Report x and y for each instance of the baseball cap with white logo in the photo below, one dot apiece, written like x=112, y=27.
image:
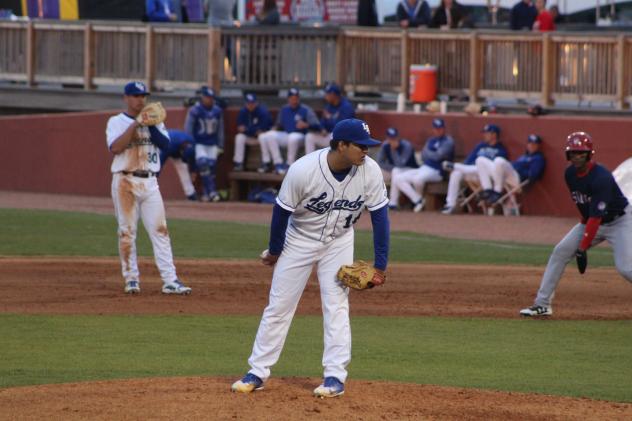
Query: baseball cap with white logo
x=332, y=88
x=354, y=131
x=292, y=92
x=438, y=123
x=136, y=88
x=206, y=91
x=392, y=132
x=251, y=98
x=534, y=138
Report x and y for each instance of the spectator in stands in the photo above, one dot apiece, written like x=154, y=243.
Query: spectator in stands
x=293, y=121
x=495, y=174
x=544, y=21
x=556, y=15
x=338, y=108
x=160, y=11
x=367, y=13
x=448, y=15
x=413, y=13
x=220, y=12
x=181, y=150
x=269, y=14
x=523, y=15
x=438, y=149
x=395, y=157
x=489, y=149
x=253, y=120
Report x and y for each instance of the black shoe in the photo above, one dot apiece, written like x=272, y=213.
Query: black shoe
x=238, y=166
x=264, y=168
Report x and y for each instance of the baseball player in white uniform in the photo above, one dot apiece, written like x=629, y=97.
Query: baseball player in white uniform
x=321, y=198
x=135, y=191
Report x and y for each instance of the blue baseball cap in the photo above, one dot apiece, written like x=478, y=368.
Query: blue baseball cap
x=491, y=128
x=534, y=138
x=438, y=123
x=392, y=132
x=332, y=88
x=136, y=88
x=250, y=98
x=355, y=131
x=206, y=91
x=292, y=92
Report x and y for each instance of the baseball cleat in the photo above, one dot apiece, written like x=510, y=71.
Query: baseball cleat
x=280, y=169
x=536, y=311
x=419, y=206
x=447, y=210
x=176, y=287
x=330, y=388
x=249, y=383
x=132, y=287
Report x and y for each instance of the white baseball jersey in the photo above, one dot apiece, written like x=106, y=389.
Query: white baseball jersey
x=323, y=207
x=141, y=154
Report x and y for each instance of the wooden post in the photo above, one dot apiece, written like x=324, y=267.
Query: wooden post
x=30, y=54
x=88, y=56
x=150, y=67
x=622, y=81
x=405, y=64
x=341, y=64
x=214, y=59
x=475, y=67
x=547, y=69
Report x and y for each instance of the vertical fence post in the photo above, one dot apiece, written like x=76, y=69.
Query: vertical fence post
x=341, y=64
x=214, y=58
x=622, y=80
x=547, y=69
x=30, y=54
x=149, y=57
x=405, y=64
x=475, y=66
x=88, y=56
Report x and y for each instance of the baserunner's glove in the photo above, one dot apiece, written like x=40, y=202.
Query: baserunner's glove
x=152, y=114
x=582, y=260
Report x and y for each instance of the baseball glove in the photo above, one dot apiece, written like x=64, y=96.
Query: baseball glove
x=152, y=114
x=582, y=260
x=357, y=276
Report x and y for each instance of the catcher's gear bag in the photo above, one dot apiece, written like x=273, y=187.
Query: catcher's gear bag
x=152, y=114
x=357, y=276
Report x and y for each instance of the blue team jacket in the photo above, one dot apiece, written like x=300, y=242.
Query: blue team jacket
x=342, y=111
x=288, y=117
x=488, y=151
x=206, y=126
x=257, y=120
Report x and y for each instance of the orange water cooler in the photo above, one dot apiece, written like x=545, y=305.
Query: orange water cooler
x=423, y=83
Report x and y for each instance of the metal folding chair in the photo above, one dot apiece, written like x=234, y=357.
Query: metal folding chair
x=509, y=200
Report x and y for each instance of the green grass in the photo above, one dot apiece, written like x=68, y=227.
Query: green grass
x=33, y=233
x=570, y=358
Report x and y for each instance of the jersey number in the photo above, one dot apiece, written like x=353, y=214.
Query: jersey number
x=350, y=220
x=208, y=126
x=152, y=157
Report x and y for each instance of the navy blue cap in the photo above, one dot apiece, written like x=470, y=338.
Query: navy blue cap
x=250, y=98
x=392, y=132
x=206, y=91
x=438, y=123
x=292, y=92
x=136, y=88
x=491, y=128
x=355, y=131
x=534, y=138
x=332, y=88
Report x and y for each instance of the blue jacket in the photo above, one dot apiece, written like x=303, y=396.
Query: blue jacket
x=342, y=111
x=488, y=151
x=436, y=150
x=259, y=120
x=523, y=16
x=403, y=156
x=529, y=166
x=418, y=15
x=206, y=126
x=156, y=10
x=288, y=117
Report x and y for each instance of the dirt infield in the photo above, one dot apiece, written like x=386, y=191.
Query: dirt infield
x=50, y=285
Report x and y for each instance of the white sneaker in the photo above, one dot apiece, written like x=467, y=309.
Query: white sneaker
x=447, y=210
x=176, y=287
x=132, y=287
x=419, y=206
x=536, y=311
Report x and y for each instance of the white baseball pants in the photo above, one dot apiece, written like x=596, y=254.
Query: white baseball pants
x=206, y=151
x=271, y=142
x=315, y=141
x=182, y=169
x=240, y=147
x=411, y=182
x=460, y=172
x=291, y=273
x=134, y=197
x=493, y=175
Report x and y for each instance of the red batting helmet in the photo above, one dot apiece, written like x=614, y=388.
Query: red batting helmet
x=579, y=142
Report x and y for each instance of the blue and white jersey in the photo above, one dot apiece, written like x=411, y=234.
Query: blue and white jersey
x=324, y=208
x=488, y=151
x=529, y=166
x=436, y=150
x=342, y=111
x=596, y=193
x=288, y=117
x=205, y=125
x=401, y=157
x=259, y=120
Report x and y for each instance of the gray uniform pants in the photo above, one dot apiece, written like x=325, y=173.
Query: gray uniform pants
x=618, y=233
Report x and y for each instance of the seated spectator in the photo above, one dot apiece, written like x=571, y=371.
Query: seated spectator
x=494, y=174
x=447, y=16
x=523, y=15
x=160, y=11
x=269, y=14
x=396, y=156
x=489, y=149
x=438, y=149
x=413, y=13
x=367, y=13
x=338, y=108
x=181, y=150
x=544, y=21
x=289, y=131
x=205, y=123
x=253, y=120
